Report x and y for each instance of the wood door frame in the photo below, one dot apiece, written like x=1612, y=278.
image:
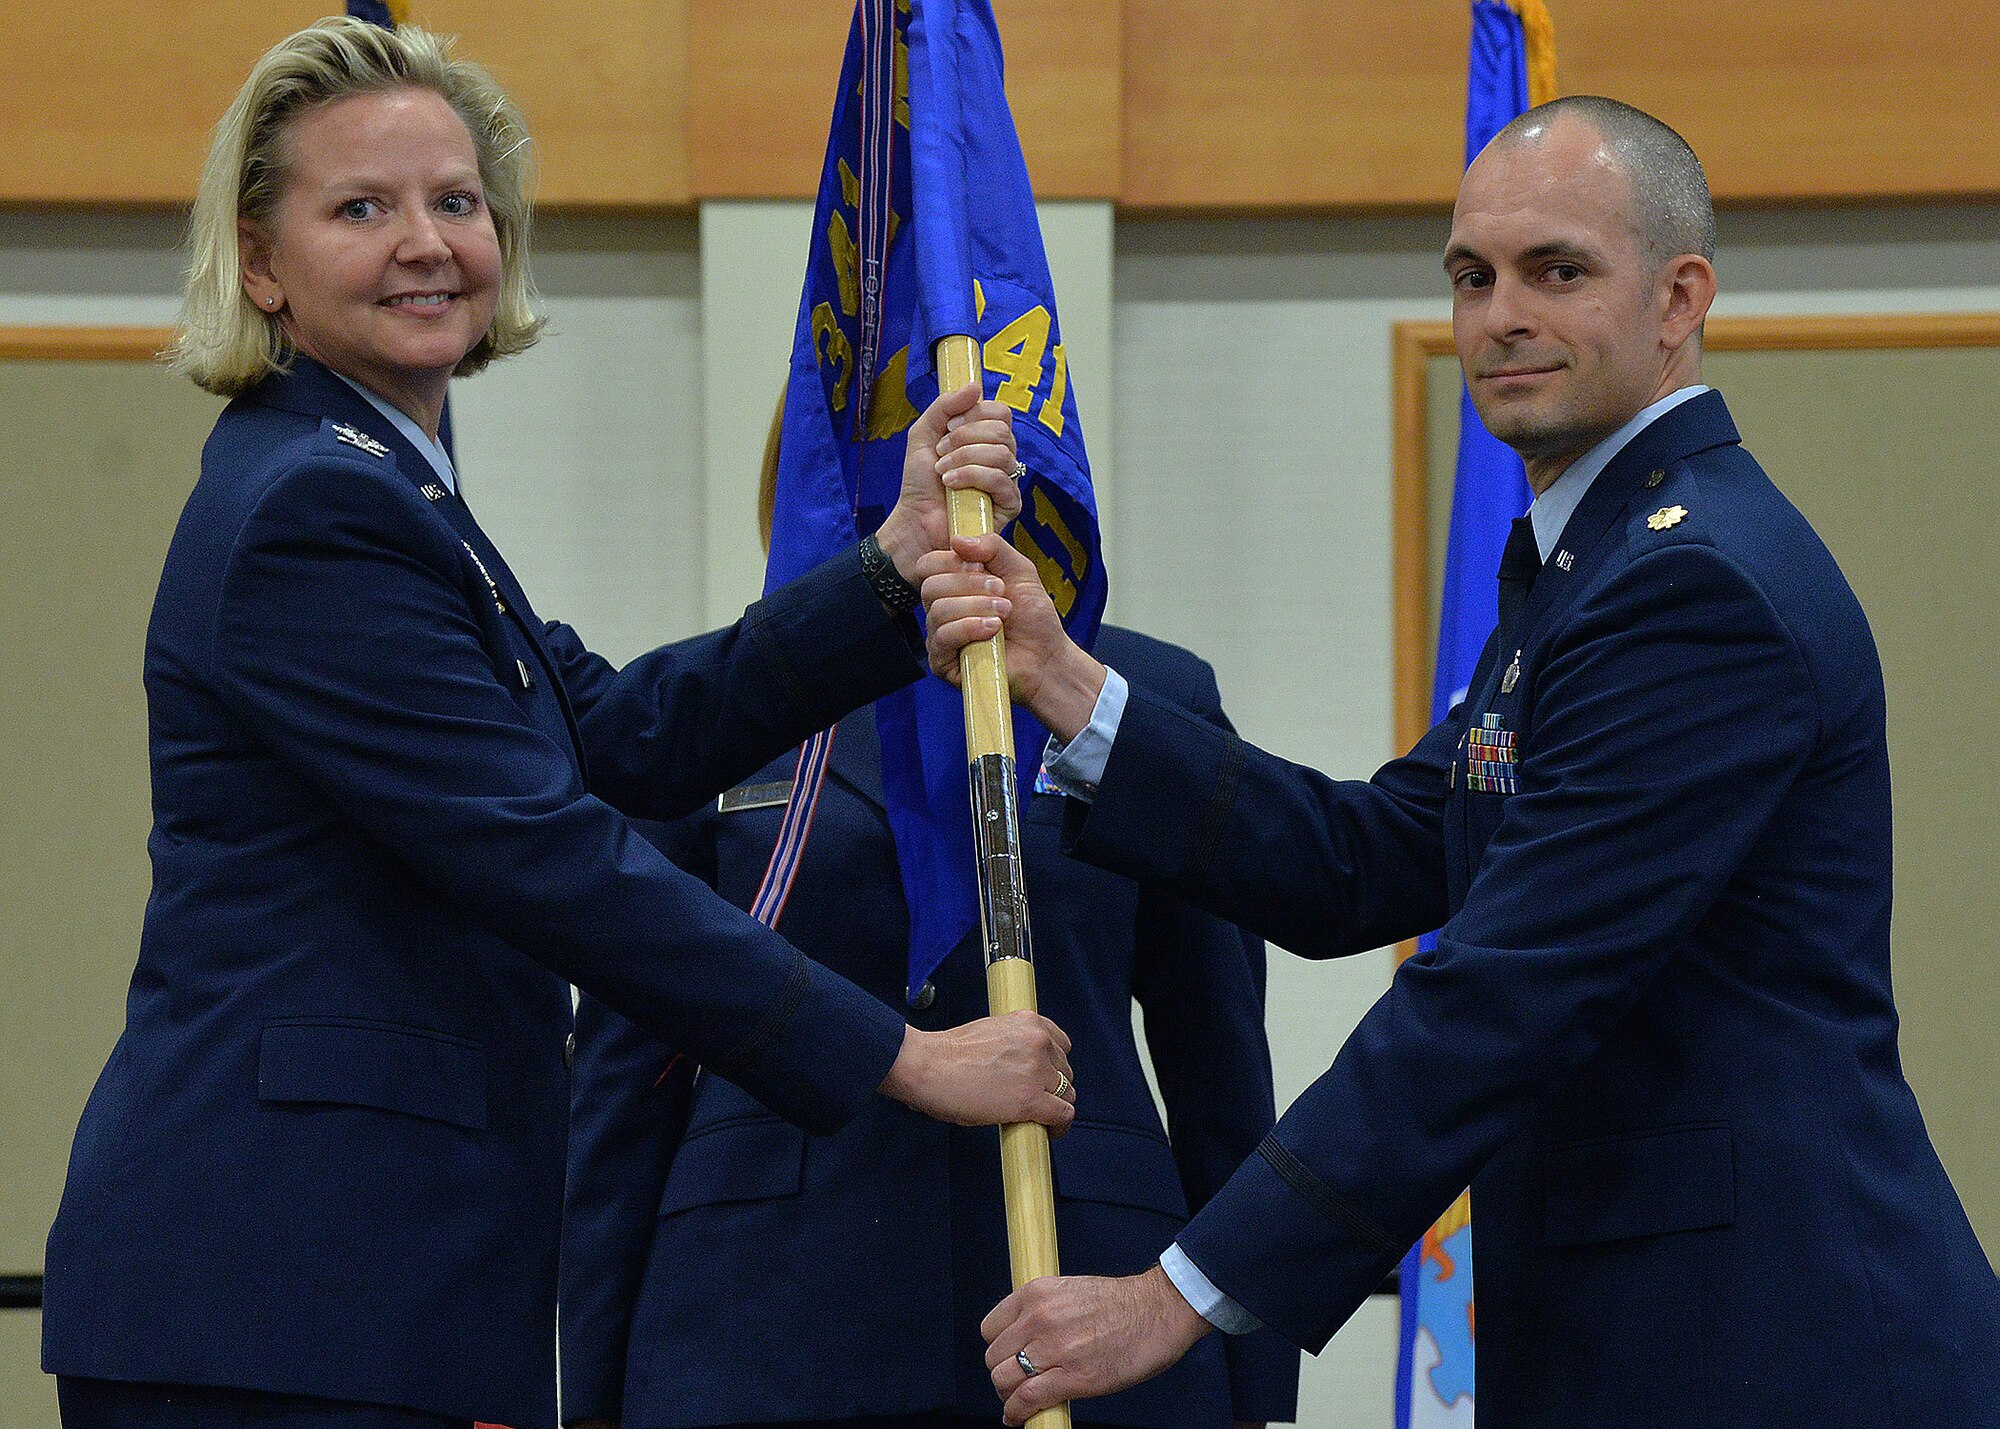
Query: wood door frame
x=80, y=343
x=1414, y=343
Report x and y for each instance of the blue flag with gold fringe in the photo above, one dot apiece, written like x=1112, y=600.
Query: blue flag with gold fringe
x=926, y=228
x=1510, y=67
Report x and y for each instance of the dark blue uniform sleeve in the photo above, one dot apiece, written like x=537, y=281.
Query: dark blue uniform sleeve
x=1200, y=985
x=1322, y=867
x=678, y=725
x=1675, y=710
x=345, y=641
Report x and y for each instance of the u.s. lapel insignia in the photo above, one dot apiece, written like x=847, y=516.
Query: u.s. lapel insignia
x=1656, y=476
x=1565, y=561
x=357, y=438
x=1666, y=516
x=498, y=604
x=432, y=491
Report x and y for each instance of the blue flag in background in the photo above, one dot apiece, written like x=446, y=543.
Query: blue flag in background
x=1491, y=487
x=1434, y=1370
x=386, y=13
x=925, y=228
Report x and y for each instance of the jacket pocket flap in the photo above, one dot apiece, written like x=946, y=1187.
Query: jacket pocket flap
x=401, y=1069
x=1120, y=1166
x=1644, y=1183
x=754, y=1159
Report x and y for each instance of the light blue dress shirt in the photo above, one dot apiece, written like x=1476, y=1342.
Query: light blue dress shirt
x=412, y=433
x=1551, y=511
x=1077, y=768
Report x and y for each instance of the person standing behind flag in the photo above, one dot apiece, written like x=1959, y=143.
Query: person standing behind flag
x=894, y=1219
x=319, y=1182
x=1656, y=1033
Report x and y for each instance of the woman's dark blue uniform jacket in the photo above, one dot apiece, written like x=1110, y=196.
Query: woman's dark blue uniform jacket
x=750, y=1272
x=326, y=1156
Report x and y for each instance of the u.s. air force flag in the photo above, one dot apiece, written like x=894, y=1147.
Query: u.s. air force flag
x=926, y=228
x=1511, y=66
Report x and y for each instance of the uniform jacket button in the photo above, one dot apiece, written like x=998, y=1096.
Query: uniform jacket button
x=926, y=995
x=569, y=1050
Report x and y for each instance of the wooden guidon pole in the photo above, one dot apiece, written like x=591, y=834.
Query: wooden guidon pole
x=1003, y=903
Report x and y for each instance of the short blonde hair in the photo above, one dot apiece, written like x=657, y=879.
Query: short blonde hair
x=223, y=340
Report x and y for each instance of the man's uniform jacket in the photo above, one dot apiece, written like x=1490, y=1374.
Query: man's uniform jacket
x=326, y=1156
x=750, y=1272
x=1656, y=1034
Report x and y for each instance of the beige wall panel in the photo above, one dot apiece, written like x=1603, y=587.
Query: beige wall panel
x=762, y=75
x=102, y=456
x=27, y=1396
x=1350, y=103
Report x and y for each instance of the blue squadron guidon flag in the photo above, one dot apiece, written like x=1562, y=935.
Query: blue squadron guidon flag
x=925, y=228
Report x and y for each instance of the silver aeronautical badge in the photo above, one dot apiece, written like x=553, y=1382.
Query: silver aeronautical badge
x=360, y=439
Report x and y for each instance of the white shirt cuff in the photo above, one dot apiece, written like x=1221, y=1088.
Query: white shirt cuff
x=1200, y=1292
x=1077, y=768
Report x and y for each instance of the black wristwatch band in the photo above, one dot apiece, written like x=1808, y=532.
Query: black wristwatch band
x=883, y=577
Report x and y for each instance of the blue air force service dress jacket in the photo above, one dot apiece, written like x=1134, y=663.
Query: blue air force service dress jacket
x=1656, y=1033
x=326, y=1156
x=749, y=1272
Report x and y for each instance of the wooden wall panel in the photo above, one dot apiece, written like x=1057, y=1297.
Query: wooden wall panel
x=115, y=101
x=1801, y=100
x=604, y=87
x=118, y=108
x=761, y=93
x=1353, y=104
x=1302, y=104
x=1162, y=105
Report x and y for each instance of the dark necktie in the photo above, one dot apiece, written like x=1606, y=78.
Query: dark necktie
x=1520, y=563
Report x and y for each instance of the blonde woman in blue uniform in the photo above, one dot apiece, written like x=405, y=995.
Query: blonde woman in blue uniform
x=319, y=1182
x=843, y=1278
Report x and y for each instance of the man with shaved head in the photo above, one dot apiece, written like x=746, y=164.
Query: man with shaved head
x=1656, y=1033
